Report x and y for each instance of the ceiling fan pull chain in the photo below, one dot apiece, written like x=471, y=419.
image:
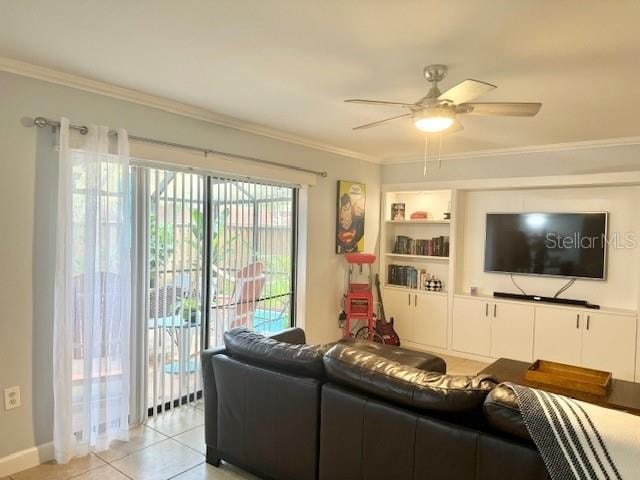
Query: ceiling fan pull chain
x=440, y=152
x=426, y=144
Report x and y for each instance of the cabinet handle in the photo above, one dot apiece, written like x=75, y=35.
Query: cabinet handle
x=409, y=298
x=588, y=320
x=415, y=299
x=495, y=309
x=578, y=320
x=486, y=310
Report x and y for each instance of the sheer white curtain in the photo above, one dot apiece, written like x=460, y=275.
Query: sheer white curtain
x=91, y=355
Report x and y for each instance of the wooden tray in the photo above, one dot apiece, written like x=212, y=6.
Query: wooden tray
x=569, y=377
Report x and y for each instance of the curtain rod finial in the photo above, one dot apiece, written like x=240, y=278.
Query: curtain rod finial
x=40, y=122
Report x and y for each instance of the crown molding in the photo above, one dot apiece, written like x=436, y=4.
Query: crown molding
x=165, y=104
x=623, y=178
x=497, y=152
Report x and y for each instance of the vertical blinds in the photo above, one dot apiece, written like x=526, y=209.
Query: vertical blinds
x=175, y=293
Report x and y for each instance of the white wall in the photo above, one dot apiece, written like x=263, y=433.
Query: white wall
x=619, y=290
x=27, y=211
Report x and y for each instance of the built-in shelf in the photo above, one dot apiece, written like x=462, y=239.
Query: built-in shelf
x=436, y=222
x=413, y=290
x=425, y=257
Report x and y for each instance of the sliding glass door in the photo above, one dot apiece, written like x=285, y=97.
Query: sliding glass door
x=252, y=281
x=220, y=254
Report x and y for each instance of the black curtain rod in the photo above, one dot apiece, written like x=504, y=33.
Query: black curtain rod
x=45, y=122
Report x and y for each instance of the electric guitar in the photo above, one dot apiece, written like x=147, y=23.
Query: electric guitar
x=384, y=328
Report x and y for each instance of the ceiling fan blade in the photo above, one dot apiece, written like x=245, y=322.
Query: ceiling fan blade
x=466, y=91
x=380, y=122
x=510, y=109
x=377, y=102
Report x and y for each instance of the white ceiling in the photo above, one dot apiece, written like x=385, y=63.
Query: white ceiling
x=289, y=64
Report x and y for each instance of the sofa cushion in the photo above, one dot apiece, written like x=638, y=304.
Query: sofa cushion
x=410, y=358
x=304, y=360
x=404, y=384
x=502, y=411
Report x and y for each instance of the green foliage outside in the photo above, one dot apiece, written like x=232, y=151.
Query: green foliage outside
x=160, y=244
x=223, y=245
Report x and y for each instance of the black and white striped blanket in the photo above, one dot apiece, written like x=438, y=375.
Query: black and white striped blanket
x=579, y=440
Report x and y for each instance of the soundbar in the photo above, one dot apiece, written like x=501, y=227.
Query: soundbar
x=537, y=298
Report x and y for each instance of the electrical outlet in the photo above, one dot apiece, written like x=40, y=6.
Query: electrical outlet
x=12, y=398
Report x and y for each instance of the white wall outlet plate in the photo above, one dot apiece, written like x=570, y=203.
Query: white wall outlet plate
x=12, y=398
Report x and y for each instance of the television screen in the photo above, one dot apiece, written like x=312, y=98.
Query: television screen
x=560, y=244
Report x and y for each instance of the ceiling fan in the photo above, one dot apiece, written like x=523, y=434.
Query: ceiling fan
x=436, y=112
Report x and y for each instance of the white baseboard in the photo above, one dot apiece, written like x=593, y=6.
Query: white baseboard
x=28, y=458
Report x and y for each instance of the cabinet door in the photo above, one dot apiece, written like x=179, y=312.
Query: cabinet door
x=638, y=356
x=512, y=331
x=609, y=343
x=430, y=320
x=558, y=335
x=399, y=305
x=471, y=326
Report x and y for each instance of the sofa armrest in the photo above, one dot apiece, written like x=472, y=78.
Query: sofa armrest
x=210, y=392
x=294, y=335
x=210, y=395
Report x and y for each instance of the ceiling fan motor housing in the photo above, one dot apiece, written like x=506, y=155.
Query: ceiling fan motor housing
x=435, y=73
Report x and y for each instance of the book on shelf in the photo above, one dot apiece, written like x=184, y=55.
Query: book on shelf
x=402, y=275
x=434, y=247
x=411, y=277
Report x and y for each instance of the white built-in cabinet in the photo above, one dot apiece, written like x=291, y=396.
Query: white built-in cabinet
x=397, y=306
x=598, y=340
x=558, y=335
x=419, y=317
x=521, y=331
x=512, y=328
x=637, y=355
x=493, y=329
x=484, y=327
x=608, y=343
x=430, y=320
x=471, y=326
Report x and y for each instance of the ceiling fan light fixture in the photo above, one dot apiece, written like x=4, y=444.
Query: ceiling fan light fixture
x=434, y=119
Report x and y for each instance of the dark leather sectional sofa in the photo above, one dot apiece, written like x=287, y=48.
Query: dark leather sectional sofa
x=284, y=410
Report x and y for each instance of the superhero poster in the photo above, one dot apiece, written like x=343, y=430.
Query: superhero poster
x=350, y=218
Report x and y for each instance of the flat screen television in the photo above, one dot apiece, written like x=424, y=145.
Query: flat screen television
x=556, y=244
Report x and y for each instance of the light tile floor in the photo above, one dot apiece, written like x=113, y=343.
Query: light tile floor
x=169, y=446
